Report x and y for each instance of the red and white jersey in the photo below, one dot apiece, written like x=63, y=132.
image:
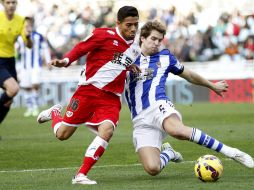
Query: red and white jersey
x=108, y=55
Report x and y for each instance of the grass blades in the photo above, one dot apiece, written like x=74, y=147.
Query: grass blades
x=32, y=158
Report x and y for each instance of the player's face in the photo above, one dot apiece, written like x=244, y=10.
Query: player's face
x=28, y=26
x=151, y=44
x=128, y=27
x=10, y=6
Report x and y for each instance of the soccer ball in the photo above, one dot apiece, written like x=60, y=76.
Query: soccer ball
x=208, y=168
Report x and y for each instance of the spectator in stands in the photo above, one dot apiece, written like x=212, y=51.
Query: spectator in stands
x=231, y=51
x=249, y=48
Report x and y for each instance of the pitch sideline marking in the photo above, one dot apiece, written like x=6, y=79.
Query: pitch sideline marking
x=70, y=168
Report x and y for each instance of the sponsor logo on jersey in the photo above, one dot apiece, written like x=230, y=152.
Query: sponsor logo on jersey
x=121, y=59
x=111, y=32
x=69, y=113
x=115, y=42
x=146, y=74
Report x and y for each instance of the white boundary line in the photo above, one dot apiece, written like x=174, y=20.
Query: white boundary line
x=70, y=168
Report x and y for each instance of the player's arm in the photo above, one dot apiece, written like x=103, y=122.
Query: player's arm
x=195, y=78
x=93, y=41
x=45, y=53
x=82, y=48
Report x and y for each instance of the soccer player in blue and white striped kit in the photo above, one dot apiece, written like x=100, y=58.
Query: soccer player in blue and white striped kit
x=31, y=63
x=154, y=115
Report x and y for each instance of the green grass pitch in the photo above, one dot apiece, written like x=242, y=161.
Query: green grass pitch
x=32, y=158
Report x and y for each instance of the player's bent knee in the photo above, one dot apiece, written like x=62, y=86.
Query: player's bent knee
x=12, y=89
x=12, y=92
x=106, y=132
x=152, y=170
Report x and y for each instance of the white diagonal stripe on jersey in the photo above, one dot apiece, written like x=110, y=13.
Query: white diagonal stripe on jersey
x=139, y=86
x=106, y=74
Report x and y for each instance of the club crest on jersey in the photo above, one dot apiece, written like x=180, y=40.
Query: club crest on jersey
x=158, y=64
x=111, y=32
x=69, y=113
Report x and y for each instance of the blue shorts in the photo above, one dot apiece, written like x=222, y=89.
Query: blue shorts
x=7, y=69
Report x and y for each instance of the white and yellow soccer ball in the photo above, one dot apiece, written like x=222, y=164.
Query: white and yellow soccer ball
x=208, y=168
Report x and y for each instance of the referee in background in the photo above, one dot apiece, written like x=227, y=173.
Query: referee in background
x=11, y=26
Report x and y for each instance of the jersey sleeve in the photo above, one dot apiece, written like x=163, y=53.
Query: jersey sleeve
x=175, y=66
x=92, y=42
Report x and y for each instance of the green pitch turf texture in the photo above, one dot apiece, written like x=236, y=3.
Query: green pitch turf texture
x=32, y=158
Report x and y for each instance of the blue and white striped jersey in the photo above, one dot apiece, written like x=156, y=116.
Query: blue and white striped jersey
x=32, y=58
x=149, y=86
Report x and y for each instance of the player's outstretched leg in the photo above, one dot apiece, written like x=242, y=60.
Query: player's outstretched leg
x=203, y=139
x=46, y=115
x=169, y=154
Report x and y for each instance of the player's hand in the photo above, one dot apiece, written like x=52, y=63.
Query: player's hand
x=134, y=68
x=220, y=87
x=58, y=62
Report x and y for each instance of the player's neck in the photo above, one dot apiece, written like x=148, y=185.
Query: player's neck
x=9, y=16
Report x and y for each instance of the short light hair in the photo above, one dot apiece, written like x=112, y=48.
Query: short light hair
x=147, y=28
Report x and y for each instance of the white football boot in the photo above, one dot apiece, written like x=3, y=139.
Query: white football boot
x=243, y=158
x=178, y=157
x=45, y=115
x=83, y=180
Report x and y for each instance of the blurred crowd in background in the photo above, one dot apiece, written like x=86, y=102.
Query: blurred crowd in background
x=193, y=35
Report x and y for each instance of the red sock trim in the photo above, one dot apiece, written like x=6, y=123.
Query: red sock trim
x=56, y=118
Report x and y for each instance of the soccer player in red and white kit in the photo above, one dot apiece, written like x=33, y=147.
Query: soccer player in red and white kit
x=96, y=102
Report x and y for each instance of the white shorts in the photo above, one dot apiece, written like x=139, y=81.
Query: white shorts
x=29, y=77
x=148, y=130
